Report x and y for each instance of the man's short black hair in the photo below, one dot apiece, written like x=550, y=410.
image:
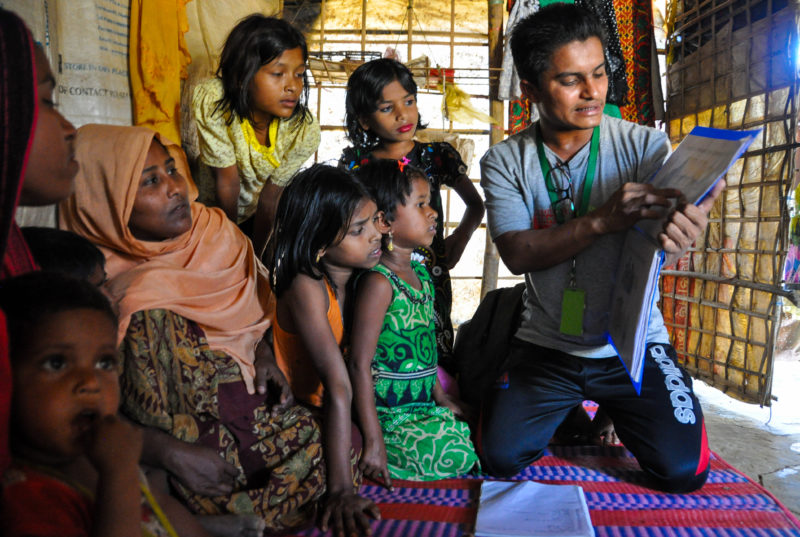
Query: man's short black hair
x=537, y=37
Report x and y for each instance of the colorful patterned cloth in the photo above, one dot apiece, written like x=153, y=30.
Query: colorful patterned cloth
x=174, y=382
x=423, y=441
x=521, y=113
x=617, y=79
x=28, y=489
x=635, y=25
x=443, y=165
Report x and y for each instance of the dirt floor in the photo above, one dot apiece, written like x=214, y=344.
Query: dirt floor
x=764, y=443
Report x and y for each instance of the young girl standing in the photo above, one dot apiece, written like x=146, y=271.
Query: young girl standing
x=408, y=421
x=381, y=120
x=253, y=125
x=72, y=455
x=313, y=261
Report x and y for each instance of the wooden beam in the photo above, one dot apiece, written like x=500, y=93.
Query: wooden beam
x=476, y=36
x=491, y=259
x=363, y=25
x=410, y=28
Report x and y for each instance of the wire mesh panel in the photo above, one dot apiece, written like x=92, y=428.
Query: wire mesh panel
x=732, y=66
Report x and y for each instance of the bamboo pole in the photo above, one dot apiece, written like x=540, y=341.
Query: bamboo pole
x=363, y=25
x=452, y=31
x=322, y=14
x=476, y=36
x=491, y=259
x=410, y=12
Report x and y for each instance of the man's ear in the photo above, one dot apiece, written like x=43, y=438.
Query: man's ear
x=529, y=91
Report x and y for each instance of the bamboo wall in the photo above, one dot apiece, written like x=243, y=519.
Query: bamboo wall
x=732, y=66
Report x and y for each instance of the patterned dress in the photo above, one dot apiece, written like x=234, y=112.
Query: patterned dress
x=423, y=441
x=443, y=165
x=174, y=382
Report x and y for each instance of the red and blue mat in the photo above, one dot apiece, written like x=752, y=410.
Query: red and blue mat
x=728, y=505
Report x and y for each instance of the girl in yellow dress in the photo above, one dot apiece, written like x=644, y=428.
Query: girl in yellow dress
x=253, y=125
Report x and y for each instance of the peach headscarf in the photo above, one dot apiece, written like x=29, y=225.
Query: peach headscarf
x=209, y=274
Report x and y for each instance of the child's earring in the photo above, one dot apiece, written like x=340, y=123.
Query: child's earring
x=390, y=244
x=320, y=253
x=317, y=260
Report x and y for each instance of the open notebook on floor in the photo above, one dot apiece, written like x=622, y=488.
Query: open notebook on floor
x=531, y=509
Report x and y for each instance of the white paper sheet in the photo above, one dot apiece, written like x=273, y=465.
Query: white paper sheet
x=530, y=509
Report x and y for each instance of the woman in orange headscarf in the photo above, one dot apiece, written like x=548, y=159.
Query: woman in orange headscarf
x=194, y=305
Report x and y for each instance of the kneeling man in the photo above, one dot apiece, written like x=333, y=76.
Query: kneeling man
x=560, y=196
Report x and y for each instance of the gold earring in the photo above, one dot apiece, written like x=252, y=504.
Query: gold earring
x=317, y=261
x=390, y=244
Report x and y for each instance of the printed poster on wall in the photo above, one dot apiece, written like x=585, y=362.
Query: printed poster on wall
x=87, y=43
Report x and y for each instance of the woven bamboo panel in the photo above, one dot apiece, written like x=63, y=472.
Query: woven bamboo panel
x=731, y=68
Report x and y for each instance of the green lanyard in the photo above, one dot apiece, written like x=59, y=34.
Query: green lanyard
x=583, y=207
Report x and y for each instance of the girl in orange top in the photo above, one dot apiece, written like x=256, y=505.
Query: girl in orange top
x=326, y=228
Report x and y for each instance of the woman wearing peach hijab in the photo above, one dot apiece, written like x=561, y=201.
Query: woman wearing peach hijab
x=194, y=305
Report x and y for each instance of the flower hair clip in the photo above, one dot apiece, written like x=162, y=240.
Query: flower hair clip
x=402, y=163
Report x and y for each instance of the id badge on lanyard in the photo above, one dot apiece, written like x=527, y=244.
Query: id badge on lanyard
x=573, y=304
x=573, y=301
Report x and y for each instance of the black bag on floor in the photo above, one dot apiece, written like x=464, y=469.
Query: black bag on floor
x=483, y=343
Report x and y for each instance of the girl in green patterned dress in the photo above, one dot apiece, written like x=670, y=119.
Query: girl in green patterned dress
x=411, y=427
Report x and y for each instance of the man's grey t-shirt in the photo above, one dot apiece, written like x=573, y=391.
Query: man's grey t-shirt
x=517, y=199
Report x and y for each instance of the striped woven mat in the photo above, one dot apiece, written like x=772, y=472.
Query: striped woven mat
x=729, y=505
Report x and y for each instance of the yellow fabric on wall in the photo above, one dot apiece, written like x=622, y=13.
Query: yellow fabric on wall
x=158, y=57
x=457, y=106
